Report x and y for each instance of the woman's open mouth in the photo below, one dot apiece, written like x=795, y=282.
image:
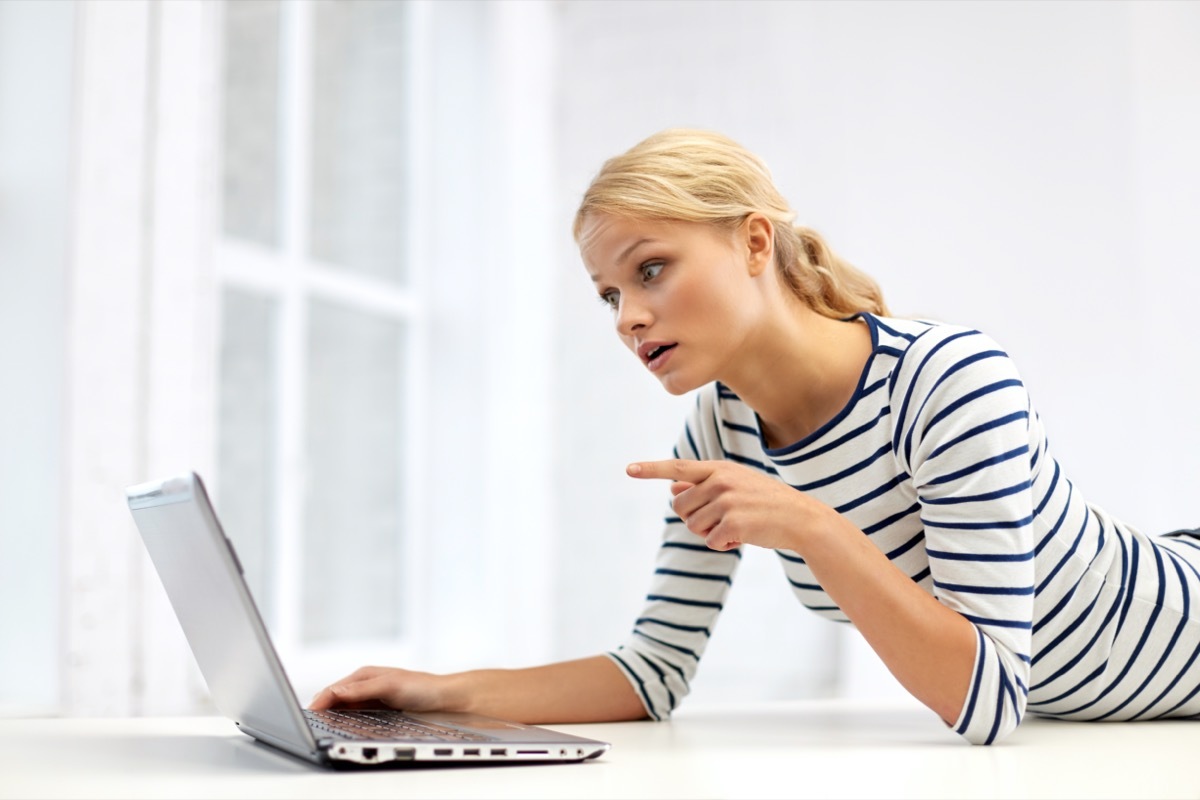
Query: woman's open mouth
x=657, y=357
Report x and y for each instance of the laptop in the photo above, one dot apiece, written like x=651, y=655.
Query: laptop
x=204, y=582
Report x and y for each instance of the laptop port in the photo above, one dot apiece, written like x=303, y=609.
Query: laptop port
x=499, y=751
x=404, y=753
x=443, y=751
x=369, y=753
x=471, y=751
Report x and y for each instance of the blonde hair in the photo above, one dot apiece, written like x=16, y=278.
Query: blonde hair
x=698, y=176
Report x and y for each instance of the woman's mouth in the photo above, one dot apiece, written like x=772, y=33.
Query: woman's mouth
x=656, y=357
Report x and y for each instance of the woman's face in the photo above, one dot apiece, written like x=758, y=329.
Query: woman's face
x=681, y=293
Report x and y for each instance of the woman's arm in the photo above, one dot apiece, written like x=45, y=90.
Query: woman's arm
x=927, y=646
x=687, y=590
x=584, y=690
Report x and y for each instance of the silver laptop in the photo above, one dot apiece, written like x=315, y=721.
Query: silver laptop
x=203, y=578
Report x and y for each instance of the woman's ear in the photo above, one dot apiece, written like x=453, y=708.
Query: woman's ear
x=759, y=239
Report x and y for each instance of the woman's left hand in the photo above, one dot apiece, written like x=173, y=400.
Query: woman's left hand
x=731, y=504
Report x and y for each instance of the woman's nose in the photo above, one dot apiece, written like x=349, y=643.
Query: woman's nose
x=631, y=315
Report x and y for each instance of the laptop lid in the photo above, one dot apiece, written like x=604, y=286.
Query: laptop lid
x=203, y=579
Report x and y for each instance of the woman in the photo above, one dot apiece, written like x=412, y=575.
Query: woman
x=896, y=466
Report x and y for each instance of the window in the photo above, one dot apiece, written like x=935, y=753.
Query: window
x=322, y=321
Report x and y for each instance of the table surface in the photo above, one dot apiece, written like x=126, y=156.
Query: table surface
x=822, y=748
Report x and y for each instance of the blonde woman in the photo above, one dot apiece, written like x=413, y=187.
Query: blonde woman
x=897, y=468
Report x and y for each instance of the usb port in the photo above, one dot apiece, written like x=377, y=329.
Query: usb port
x=499, y=751
x=443, y=751
x=471, y=751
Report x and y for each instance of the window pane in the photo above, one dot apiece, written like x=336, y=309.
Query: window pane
x=352, y=530
x=250, y=178
x=359, y=137
x=246, y=436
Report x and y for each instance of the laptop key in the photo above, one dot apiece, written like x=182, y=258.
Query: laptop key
x=385, y=725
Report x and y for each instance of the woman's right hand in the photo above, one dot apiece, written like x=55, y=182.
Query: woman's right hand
x=389, y=686
x=592, y=689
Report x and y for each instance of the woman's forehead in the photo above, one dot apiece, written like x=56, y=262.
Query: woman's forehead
x=600, y=231
x=607, y=240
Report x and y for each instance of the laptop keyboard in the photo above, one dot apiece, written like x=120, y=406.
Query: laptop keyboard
x=390, y=725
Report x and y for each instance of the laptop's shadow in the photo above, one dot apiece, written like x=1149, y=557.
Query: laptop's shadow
x=171, y=755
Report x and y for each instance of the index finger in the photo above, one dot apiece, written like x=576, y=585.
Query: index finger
x=674, y=469
x=322, y=700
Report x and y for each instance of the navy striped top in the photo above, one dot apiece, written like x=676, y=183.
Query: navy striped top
x=940, y=459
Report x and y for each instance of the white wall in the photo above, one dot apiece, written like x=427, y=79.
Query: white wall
x=1165, y=207
x=1025, y=168
x=36, y=63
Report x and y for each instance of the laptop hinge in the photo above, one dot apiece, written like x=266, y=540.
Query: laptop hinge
x=291, y=747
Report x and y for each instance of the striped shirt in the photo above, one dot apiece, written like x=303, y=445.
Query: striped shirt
x=940, y=459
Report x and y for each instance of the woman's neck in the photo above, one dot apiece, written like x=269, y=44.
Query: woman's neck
x=800, y=371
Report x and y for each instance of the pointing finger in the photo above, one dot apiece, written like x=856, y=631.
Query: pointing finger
x=675, y=469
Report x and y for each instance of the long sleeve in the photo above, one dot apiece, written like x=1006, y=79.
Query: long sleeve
x=961, y=430
x=687, y=592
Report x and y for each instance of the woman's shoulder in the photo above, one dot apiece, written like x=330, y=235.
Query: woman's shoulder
x=951, y=361
x=919, y=339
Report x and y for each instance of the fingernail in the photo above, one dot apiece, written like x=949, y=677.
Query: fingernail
x=634, y=469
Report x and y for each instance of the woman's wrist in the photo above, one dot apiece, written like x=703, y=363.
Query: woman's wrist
x=819, y=525
x=456, y=692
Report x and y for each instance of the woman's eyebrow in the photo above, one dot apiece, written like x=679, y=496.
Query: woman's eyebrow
x=625, y=253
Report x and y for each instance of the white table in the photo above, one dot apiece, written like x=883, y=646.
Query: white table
x=825, y=749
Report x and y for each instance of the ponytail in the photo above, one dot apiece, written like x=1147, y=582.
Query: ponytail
x=828, y=284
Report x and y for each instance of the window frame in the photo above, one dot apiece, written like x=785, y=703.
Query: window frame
x=290, y=276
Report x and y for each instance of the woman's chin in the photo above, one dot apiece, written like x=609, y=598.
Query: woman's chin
x=674, y=385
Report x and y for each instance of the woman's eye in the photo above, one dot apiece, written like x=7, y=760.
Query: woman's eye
x=610, y=298
x=650, y=271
